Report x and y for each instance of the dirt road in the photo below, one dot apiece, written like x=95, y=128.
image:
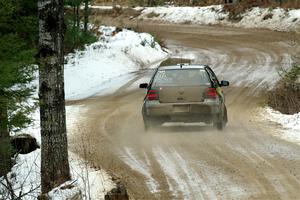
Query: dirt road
x=245, y=161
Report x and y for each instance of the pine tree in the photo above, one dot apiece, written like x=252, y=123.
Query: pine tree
x=77, y=36
x=16, y=71
x=16, y=74
x=54, y=164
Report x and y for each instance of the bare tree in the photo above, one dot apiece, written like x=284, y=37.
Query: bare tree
x=17, y=184
x=54, y=162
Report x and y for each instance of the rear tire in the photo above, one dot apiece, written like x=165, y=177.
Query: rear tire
x=219, y=122
x=150, y=123
x=219, y=125
x=146, y=125
x=225, y=116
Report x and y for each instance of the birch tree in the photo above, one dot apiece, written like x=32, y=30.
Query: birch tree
x=54, y=162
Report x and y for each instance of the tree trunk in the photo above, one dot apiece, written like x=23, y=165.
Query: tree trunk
x=74, y=16
x=54, y=161
x=86, y=15
x=77, y=15
x=5, y=146
x=152, y=3
x=3, y=119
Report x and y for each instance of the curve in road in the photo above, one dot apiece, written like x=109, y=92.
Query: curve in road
x=245, y=161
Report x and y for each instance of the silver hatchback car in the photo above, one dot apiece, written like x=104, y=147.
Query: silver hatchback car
x=184, y=93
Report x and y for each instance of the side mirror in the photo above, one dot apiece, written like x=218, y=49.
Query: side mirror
x=144, y=85
x=224, y=83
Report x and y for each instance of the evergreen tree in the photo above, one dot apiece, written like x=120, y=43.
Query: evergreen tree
x=77, y=36
x=18, y=28
x=16, y=74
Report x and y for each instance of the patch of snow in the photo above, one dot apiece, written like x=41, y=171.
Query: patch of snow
x=131, y=159
x=290, y=123
x=100, y=7
x=274, y=19
x=92, y=183
x=186, y=15
x=175, y=178
x=194, y=180
x=93, y=70
x=223, y=183
x=25, y=174
x=25, y=177
x=278, y=149
x=287, y=121
x=67, y=190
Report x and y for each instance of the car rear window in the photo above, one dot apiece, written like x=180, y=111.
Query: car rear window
x=181, y=77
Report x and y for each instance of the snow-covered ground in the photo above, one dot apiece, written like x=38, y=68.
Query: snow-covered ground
x=289, y=123
x=107, y=64
x=101, y=68
x=274, y=19
x=86, y=181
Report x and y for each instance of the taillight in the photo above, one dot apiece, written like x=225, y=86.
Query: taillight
x=211, y=93
x=152, y=95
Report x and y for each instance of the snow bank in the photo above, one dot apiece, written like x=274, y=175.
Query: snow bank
x=93, y=184
x=274, y=19
x=86, y=181
x=290, y=123
x=24, y=177
x=96, y=69
x=287, y=121
x=195, y=15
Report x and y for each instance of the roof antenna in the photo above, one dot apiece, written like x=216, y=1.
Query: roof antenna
x=181, y=61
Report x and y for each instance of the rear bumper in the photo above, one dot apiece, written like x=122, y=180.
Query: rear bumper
x=186, y=112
